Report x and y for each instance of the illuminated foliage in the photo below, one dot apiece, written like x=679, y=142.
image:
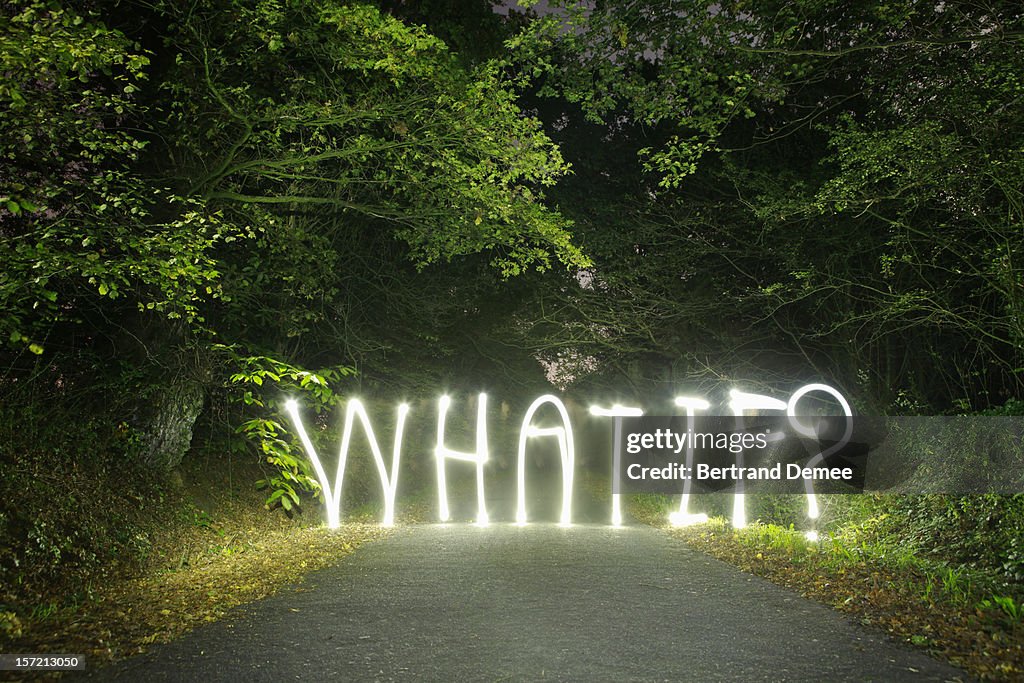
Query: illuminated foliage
x=340, y=112
x=78, y=227
x=255, y=175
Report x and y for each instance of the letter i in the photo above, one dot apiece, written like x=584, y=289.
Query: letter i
x=683, y=517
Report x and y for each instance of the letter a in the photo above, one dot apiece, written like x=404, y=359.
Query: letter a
x=565, y=445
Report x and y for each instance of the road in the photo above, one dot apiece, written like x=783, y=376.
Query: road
x=536, y=603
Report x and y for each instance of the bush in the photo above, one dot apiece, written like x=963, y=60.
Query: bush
x=981, y=531
x=70, y=494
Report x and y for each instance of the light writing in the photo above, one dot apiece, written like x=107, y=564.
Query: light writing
x=563, y=435
x=332, y=495
x=740, y=404
x=616, y=411
x=682, y=516
x=442, y=453
x=812, y=500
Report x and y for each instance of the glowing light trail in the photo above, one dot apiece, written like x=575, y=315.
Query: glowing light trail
x=618, y=412
x=812, y=499
x=739, y=403
x=563, y=435
x=479, y=457
x=332, y=495
x=683, y=517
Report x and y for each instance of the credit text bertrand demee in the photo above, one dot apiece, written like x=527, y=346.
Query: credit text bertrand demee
x=705, y=472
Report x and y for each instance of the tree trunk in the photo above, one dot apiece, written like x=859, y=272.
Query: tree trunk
x=168, y=432
x=174, y=372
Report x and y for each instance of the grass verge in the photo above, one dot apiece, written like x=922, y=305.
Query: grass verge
x=969, y=618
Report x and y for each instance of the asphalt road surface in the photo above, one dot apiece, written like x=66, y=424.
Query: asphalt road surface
x=536, y=603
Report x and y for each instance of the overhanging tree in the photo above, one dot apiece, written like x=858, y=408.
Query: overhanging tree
x=846, y=174
x=266, y=160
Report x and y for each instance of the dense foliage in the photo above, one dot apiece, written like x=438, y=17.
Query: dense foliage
x=206, y=207
x=810, y=188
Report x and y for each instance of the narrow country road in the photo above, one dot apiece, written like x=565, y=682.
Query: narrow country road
x=536, y=603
